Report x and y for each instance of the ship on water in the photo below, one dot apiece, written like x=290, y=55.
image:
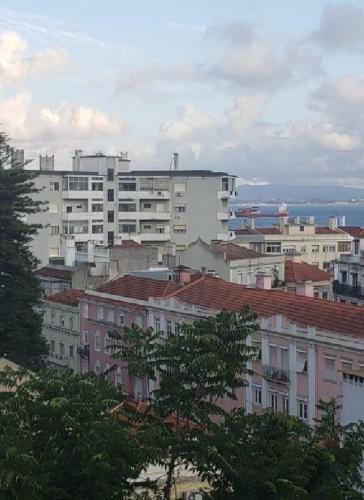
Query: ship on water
x=255, y=212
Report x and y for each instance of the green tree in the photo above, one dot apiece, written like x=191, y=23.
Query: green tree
x=20, y=293
x=278, y=457
x=59, y=439
x=195, y=372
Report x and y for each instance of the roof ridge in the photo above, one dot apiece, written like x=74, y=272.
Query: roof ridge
x=182, y=288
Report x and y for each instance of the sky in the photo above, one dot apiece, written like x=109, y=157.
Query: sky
x=268, y=90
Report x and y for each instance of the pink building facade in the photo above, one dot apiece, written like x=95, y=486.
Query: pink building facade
x=307, y=349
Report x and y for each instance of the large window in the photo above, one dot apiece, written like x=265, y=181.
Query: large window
x=97, y=228
x=344, y=246
x=273, y=355
x=273, y=247
x=225, y=184
x=110, y=174
x=329, y=369
x=75, y=183
x=129, y=185
x=127, y=227
x=97, y=186
x=110, y=216
x=127, y=207
x=75, y=227
x=154, y=184
x=97, y=207
x=274, y=401
x=110, y=195
x=302, y=410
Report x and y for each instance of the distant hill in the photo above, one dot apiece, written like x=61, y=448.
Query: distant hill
x=279, y=192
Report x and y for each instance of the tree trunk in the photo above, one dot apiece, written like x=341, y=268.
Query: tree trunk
x=169, y=482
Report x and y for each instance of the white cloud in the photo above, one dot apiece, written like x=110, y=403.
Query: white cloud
x=252, y=65
x=350, y=89
x=245, y=111
x=17, y=63
x=14, y=114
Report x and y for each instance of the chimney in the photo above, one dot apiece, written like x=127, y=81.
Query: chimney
x=175, y=161
x=304, y=288
x=283, y=222
x=68, y=250
x=46, y=162
x=203, y=271
x=333, y=223
x=90, y=252
x=183, y=274
x=77, y=160
x=263, y=281
x=17, y=158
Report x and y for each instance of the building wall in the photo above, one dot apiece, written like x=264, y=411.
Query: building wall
x=61, y=328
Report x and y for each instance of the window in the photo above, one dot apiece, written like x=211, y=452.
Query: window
x=97, y=228
x=160, y=229
x=316, y=295
x=180, y=208
x=285, y=404
x=154, y=184
x=302, y=410
x=147, y=227
x=303, y=249
x=110, y=216
x=302, y=228
x=54, y=186
x=119, y=376
x=127, y=228
x=127, y=207
x=138, y=388
x=326, y=265
x=180, y=229
x=329, y=369
x=347, y=365
x=344, y=277
x=71, y=351
x=121, y=319
x=284, y=358
x=110, y=316
x=169, y=327
x=139, y=321
x=69, y=210
x=97, y=207
x=325, y=295
x=61, y=349
x=257, y=345
x=53, y=316
x=75, y=183
x=356, y=247
x=110, y=237
x=97, y=186
x=75, y=227
x=97, y=341
x=257, y=395
x=344, y=246
x=54, y=230
x=354, y=279
x=315, y=248
x=97, y=367
x=127, y=186
x=301, y=362
x=110, y=174
x=100, y=313
x=177, y=328
x=273, y=355
x=273, y=247
x=147, y=205
x=107, y=344
x=52, y=346
x=274, y=401
x=61, y=320
x=157, y=325
x=225, y=184
x=328, y=248
x=85, y=337
x=110, y=195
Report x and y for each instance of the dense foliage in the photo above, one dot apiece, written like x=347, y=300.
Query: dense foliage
x=59, y=439
x=20, y=293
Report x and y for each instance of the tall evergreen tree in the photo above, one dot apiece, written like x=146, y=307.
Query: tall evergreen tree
x=20, y=292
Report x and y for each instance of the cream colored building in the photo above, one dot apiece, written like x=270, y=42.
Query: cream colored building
x=301, y=240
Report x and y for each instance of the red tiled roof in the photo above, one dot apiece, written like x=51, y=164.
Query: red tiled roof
x=70, y=297
x=215, y=293
x=105, y=300
x=268, y=230
x=128, y=244
x=355, y=231
x=53, y=272
x=301, y=271
x=325, y=230
x=235, y=252
x=138, y=287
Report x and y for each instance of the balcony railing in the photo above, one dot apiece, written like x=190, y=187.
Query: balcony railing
x=348, y=290
x=275, y=374
x=83, y=351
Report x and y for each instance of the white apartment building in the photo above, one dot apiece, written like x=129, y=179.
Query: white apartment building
x=102, y=200
x=301, y=240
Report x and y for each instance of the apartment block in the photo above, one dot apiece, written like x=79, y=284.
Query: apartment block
x=349, y=271
x=102, y=200
x=307, y=349
x=299, y=239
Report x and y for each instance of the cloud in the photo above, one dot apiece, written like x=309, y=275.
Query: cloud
x=341, y=28
x=234, y=32
x=252, y=65
x=25, y=121
x=16, y=64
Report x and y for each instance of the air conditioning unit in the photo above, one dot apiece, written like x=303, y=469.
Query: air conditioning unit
x=159, y=193
x=192, y=495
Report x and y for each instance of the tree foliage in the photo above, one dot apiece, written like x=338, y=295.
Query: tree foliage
x=59, y=439
x=20, y=293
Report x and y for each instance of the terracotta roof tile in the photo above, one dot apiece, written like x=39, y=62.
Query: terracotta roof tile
x=70, y=297
x=54, y=272
x=325, y=230
x=218, y=294
x=138, y=287
x=355, y=231
x=106, y=300
x=301, y=271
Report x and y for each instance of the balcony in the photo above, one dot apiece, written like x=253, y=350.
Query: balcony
x=83, y=351
x=348, y=290
x=144, y=215
x=223, y=215
x=144, y=195
x=154, y=236
x=58, y=359
x=276, y=374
